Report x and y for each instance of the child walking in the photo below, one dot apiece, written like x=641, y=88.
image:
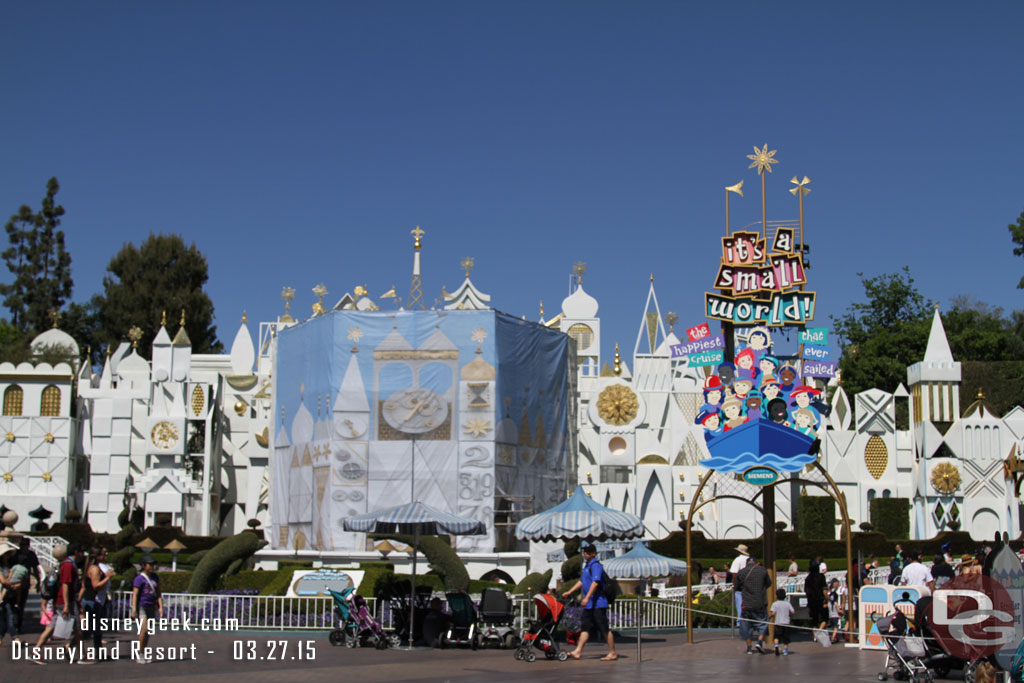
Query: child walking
x=782, y=611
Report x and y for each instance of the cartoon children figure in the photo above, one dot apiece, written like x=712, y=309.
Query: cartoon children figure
x=769, y=390
x=801, y=400
x=741, y=387
x=745, y=365
x=759, y=341
x=713, y=391
x=778, y=412
x=805, y=421
x=710, y=420
x=769, y=366
x=788, y=376
x=726, y=374
x=753, y=403
x=733, y=411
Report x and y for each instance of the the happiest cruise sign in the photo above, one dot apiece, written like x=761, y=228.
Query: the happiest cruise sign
x=758, y=285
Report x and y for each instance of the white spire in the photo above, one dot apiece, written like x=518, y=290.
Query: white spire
x=243, y=352
x=938, y=346
x=352, y=394
x=651, y=326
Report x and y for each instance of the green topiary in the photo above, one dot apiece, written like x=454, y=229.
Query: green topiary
x=174, y=582
x=572, y=568
x=234, y=567
x=121, y=559
x=211, y=568
x=816, y=517
x=124, y=517
x=197, y=557
x=533, y=583
x=123, y=538
x=250, y=579
x=277, y=585
x=891, y=516
x=441, y=558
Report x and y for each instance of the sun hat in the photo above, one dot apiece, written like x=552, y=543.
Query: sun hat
x=742, y=549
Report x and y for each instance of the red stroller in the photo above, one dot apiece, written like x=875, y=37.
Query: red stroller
x=540, y=632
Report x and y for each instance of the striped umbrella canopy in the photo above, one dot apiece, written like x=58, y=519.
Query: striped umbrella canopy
x=642, y=563
x=582, y=518
x=414, y=518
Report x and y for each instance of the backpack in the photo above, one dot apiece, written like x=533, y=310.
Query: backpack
x=609, y=586
x=48, y=590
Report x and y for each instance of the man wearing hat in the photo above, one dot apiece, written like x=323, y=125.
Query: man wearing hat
x=13, y=578
x=592, y=584
x=738, y=564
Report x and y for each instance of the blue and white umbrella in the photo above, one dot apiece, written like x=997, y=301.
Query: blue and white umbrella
x=641, y=563
x=582, y=518
x=414, y=518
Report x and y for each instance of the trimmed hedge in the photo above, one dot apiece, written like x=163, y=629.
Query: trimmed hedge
x=572, y=568
x=443, y=560
x=213, y=565
x=816, y=517
x=533, y=583
x=174, y=582
x=891, y=516
x=250, y=579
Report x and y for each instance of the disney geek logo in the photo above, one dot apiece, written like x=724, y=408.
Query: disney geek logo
x=972, y=617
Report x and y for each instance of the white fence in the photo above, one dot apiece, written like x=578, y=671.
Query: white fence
x=280, y=613
x=43, y=547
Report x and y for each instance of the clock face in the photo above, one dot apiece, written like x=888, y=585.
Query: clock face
x=350, y=426
x=164, y=435
x=415, y=410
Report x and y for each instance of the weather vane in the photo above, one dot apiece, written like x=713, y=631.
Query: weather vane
x=467, y=264
x=580, y=269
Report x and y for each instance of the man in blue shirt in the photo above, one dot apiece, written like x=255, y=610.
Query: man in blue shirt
x=595, y=604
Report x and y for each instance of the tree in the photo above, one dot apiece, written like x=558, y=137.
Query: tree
x=880, y=337
x=1017, y=235
x=39, y=262
x=161, y=275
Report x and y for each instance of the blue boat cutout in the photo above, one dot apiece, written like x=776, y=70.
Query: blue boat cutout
x=760, y=443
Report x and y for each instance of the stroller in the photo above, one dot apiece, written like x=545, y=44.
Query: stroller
x=396, y=597
x=496, y=619
x=462, y=629
x=357, y=626
x=540, y=632
x=904, y=653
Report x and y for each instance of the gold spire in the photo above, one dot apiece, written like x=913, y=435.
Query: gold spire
x=245, y=318
x=618, y=361
x=671, y=318
x=580, y=269
x=135, y=334
x=163, y=318
x=652, y=277
x=182, y=323
x=542, y=309
x=287, y=294
x=981, y=394
x=467, y=264
x=54, y=316
x=417, y=232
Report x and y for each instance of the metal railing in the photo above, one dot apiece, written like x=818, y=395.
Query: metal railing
x=43, y=547
x=215, y=612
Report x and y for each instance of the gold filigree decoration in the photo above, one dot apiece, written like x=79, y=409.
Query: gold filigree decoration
x=946, y=478
x=198, y=400
x=801, y=186
x=762, y=159
x=48, y=438
x=617, y=404
x=164, y=434
x=477, y=426
x=876, y=456
x=47, y=476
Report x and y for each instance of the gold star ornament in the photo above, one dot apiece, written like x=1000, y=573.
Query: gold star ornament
x=762, y=159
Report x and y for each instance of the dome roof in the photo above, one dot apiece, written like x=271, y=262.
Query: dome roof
x=579, y=304
x=134, y=364
x=478, y=370
x=55, y=337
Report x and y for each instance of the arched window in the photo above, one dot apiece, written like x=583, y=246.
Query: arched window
x=13, y=398
x=49, y=404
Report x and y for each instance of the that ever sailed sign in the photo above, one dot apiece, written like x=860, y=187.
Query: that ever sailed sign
x=760, y=286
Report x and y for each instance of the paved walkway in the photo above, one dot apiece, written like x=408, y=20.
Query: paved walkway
x=714, y=657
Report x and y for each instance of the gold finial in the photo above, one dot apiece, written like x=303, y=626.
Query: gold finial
x=54, y=316
x=618, y=361
x=287, y=294
x=672, y=318
x=135, y=334
x=182, y=323
x=652, y=277
x=245, y=318
x=320, y=291
x=110, y=350
x=467, y=264
x=762, y=159
x=980, y=395
x=282, y=416
x=936, y=306
x=542, y=309
x=801, y=186
x=580, y=268
x=737, y=188
x=163, y=318
x=417, y=232
x=359, y=291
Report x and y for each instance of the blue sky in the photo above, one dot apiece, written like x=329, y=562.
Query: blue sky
x=298, y=143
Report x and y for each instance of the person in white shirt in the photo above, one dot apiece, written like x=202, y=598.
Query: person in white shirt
x=916, y=574
x=737, y=564
x=782, y=610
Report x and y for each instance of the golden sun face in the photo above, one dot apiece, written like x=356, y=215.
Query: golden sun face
x=946, y=478
x=617, y=404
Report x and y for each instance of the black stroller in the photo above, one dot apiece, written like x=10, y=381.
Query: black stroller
x=396, y=597
x=497, y=618
x=462, y=630
x=905, y=653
